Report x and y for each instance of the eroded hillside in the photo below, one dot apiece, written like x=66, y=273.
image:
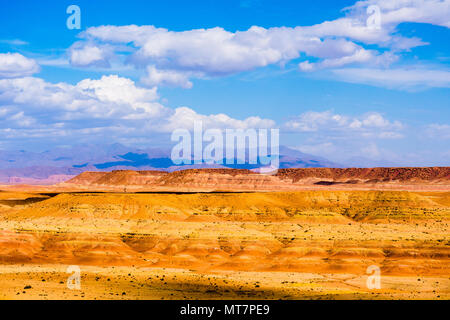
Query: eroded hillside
x=320, y=233
x=433, y=178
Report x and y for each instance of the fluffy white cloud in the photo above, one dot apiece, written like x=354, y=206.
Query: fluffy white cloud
x=172, y=58
x=111, y=106
x=89, y=55
x=14, y=65
x=173, y=78
x=216, y=51
x=368, y=125
x=412, y=78
x=392, y=13
x=108, y=97
x=185, y=117
x=374, y=120
x=116, y=90
x=435, y=12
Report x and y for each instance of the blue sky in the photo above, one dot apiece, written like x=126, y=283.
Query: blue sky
x=336, y=84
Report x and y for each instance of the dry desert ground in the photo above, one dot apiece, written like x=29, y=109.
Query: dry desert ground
x=310, y=244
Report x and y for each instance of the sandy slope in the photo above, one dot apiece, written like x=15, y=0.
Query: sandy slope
x=307, y=244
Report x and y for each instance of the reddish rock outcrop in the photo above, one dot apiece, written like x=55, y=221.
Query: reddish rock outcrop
x=284, y=179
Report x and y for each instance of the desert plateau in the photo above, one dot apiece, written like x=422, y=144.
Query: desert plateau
x=235, y=158
x=229, y=234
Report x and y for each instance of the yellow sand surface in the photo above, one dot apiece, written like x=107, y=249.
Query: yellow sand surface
x=271, y=245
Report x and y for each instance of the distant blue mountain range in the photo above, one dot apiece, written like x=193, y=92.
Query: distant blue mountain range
x=79, y=158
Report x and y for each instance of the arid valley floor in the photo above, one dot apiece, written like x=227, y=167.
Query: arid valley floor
x=310, y=243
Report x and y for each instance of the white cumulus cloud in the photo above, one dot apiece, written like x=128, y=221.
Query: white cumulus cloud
x=15, y=65
x=111, y=106
x=89, y=55
x=184, y=118
x=173, y=58
x=370, y=124
x=155, y=77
